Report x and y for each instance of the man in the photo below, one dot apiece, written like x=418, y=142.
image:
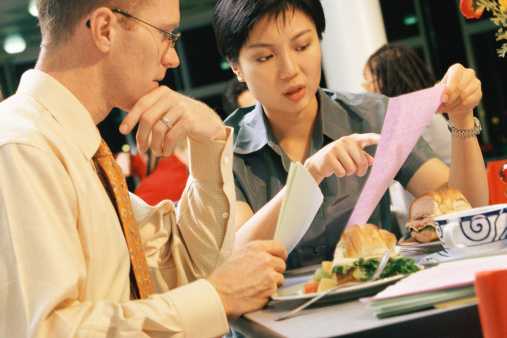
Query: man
x=64, y=258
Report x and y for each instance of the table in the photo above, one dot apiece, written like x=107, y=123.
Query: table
x=353, y=319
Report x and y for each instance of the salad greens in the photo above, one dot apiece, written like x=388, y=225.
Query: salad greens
x=395, y=266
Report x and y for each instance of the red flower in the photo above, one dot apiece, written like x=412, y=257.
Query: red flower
x=466, y=7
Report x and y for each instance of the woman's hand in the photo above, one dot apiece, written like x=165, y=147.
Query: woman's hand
x=461, y=95
x=343, y=157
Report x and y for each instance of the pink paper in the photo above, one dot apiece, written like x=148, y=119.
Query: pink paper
x=443, y=276
x=406, y=118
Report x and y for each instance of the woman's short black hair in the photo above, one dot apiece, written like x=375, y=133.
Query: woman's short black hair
x=234, y=19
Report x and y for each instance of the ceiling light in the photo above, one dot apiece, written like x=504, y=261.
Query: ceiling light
x=224, y=65
x=410, y=20
x=14, y=44
x=32, y=9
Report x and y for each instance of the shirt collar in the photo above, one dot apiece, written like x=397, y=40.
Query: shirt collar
x=254, y=131
x=333, y=116
x=64, y=107
x=345, y=113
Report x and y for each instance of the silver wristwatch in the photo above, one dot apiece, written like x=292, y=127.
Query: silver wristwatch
x=466, y=133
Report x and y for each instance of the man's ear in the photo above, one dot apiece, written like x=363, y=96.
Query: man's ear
x=236, y=70
x=101, y=25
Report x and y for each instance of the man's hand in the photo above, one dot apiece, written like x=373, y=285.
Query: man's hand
x=246, y=281
x=343, y=157
x=187, y=116
x=461, y=95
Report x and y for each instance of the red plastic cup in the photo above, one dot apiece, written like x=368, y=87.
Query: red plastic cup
x=490, y=289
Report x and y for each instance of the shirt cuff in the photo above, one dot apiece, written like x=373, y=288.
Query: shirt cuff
x=210, y=160
x=201, y=310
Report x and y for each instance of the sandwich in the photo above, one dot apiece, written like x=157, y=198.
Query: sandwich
x=425, y=208
x=356, y=258
x=359, y=250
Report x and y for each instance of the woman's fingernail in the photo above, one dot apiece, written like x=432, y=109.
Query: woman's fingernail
x=124, y=128
x=445, y=97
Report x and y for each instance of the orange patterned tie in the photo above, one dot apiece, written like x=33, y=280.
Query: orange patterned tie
x=112, y=178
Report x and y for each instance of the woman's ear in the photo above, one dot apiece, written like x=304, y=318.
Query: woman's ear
x=236, y=70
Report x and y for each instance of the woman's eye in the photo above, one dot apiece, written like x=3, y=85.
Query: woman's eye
x=303, y=47
x=264, y=58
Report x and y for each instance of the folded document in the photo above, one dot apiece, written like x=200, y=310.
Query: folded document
x=433, y=286
x=300, y=204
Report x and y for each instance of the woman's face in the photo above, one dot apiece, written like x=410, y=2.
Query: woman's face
x=281, y=63
x=370, y=82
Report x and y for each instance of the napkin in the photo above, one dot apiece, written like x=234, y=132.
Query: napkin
x=406, y=118
x=301, y=202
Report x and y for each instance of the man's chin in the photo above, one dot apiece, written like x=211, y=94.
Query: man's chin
x=154, y=85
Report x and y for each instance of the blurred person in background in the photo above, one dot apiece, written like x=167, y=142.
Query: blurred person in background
x=236, y=95
x=166, y=177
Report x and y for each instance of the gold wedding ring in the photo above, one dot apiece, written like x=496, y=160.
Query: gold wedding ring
x=167, y=123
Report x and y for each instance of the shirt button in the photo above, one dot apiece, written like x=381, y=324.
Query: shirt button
x=225, y=215
x=317, y=249
x=226, y=159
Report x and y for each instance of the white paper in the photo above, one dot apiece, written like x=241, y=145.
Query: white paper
x=300, y=204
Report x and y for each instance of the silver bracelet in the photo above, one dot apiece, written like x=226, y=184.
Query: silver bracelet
x=466, y=133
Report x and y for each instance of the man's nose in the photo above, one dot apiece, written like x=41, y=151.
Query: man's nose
x=170, y=58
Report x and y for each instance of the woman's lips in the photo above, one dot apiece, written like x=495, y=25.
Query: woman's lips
x=295, y=93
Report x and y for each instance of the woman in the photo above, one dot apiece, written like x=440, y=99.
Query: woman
x=273, y=46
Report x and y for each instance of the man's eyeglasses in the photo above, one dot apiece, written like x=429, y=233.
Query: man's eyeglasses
x=171, y=38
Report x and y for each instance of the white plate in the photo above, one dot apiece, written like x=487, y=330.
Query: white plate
x=295, y=292
x=413, y=243
x=488, y=249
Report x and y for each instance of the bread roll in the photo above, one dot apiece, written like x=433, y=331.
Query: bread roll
x=389, y=238
x=453, y=201
x=365, y=241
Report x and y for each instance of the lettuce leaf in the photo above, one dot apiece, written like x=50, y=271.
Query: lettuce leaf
x=395, y=266
x=427, y=227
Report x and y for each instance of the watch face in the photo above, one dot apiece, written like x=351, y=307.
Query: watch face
x=477, y=124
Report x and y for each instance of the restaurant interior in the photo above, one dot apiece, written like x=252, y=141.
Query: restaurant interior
x=435, y=29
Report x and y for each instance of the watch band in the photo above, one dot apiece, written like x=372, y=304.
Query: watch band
x=466, y=133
